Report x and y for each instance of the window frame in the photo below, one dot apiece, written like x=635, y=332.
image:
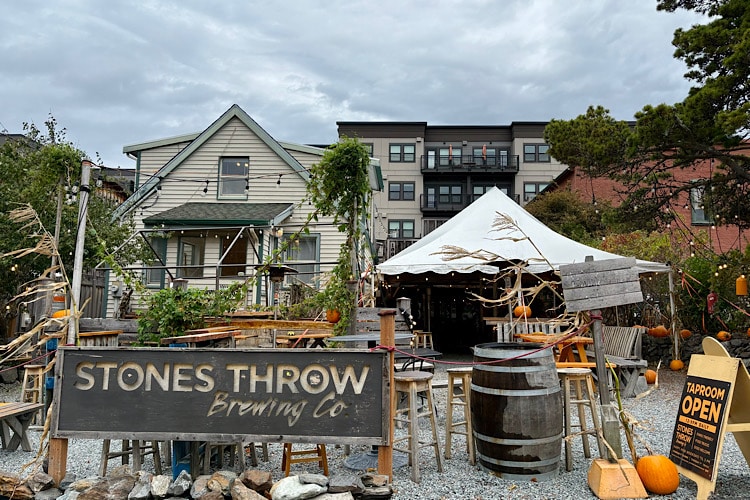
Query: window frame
x=699, y=214
x=402, y=156
x=233, y=179
x=539, y=186
x=155, y=277
x=231, y=269
x=197, y=243
x=308, y=268
x=537, y=156
x=401, y=232
x=400, y=193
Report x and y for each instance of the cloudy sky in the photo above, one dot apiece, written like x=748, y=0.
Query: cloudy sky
x=116, y=72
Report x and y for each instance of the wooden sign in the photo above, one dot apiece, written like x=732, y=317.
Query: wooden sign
x=593, y=285
x=261, y=395
x=714, y=402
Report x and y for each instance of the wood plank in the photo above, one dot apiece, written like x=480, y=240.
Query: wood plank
x=597, y=266
x=200, y=337
x=105, y=333
x=58, y=459
x=279, y=324
x=602, y=302
x=619, y=276
x=608, y=290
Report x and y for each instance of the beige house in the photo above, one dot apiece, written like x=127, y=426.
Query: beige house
x=216, y=204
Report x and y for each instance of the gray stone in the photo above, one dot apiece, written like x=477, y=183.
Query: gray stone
x=40, y=481
x=111, y=488
x=200, y=486
x=48, y=494
x=377, y=492
x=160, y=485
x=221, y=481
x=340, y=483
x=69, y=495
x=335, y=496
x=141, y=491
x=180, y=485
x=290, y=488
x=318, y=479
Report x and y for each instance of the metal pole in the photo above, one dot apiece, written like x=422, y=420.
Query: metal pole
x=675, y=334
x=83, y=202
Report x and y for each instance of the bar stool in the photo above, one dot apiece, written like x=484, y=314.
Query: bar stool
x=413, y=384
x=424, y=339
x=317, y=454
x=136, y=449
x=253, y=453
x=459, y=396
x=579, y=377
x=236, y=454
x=32, y=389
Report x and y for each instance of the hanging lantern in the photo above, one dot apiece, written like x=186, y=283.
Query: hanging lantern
x=741, y=285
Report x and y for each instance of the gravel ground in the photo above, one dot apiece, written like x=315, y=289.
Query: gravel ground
x=656, y=413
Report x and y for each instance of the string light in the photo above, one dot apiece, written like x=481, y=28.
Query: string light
x=205, y=189
x=278, y=182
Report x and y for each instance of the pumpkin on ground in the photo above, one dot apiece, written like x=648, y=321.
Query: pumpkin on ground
x=658, y=474
x=685, y=334
x=748, y=332
x=650, y=376
x=658, y=331
x=723, y=336
x=522, y=312
x=332, y=316
x=676, y=365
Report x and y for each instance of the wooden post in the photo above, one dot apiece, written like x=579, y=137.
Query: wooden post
x=609, y=418
x=388, y=339
x=57, y=459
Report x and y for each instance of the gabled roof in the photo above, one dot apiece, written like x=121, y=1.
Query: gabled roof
x=221, y=215
x=234, y=112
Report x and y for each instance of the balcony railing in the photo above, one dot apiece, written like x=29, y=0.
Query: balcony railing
x=474, y=164
x=450, y=203
x=395, y=245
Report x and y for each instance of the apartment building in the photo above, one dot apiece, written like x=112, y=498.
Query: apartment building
x=432, y=172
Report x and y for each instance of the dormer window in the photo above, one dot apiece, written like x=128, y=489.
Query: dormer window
x=233, y=177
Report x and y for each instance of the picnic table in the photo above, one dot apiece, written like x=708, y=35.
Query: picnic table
x=570, y=352
x=221, y=336
x=302, y=339
x=15, y=418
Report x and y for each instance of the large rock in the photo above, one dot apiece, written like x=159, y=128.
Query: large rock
x=290, y=488
x=241, y=492
x=12, y=484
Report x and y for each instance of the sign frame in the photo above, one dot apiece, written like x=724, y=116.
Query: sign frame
x=99, y=391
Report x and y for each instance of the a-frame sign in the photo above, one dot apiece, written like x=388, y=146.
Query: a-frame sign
x=715, y=400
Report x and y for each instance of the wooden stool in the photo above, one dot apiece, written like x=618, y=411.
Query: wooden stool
x=413, y=384
x=459, y=396
x=424, y=339
x=138, y=449
x=579, y=377
x=317, y=454
x=32, y=390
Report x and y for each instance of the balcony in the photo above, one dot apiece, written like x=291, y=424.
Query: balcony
x=469, y=163
x=395, y=245
x=450, y=203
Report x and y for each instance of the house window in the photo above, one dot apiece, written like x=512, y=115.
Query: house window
x=155, y=274
x=478, y=191
x=233, y=179
x=536, y=153
x=531, y=189
x=302, y=255
x=369, y=147
x=449, y=195
x=401, y=191
x=236, y=255
x=484, y=156
x=449, y=156
x=698, y=213
x=190, y=254
x=400, y=229
x=402, y=153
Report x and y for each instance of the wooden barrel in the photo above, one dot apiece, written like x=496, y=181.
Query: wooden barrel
x=516, y=411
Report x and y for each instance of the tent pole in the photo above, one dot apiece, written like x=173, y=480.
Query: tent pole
x=675, y=335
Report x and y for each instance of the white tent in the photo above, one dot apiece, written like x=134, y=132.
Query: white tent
x=526, y=239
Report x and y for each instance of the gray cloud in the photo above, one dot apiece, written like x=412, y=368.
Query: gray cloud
x=116, y=73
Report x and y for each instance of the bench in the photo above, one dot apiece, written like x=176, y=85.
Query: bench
x=16, y=417
x=622, y=347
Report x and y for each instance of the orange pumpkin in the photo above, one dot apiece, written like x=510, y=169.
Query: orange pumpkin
x=748, y=332
x=658, y=331
x=658, y=474
x=685, y=334
x=676, y=365
x=522, y=312
x=650, y=376
x=332, y=316
x=724, y=336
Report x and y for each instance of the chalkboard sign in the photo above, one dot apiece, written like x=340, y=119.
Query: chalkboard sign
x=261, y=395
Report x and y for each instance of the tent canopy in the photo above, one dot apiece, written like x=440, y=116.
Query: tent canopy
x=521, y=239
